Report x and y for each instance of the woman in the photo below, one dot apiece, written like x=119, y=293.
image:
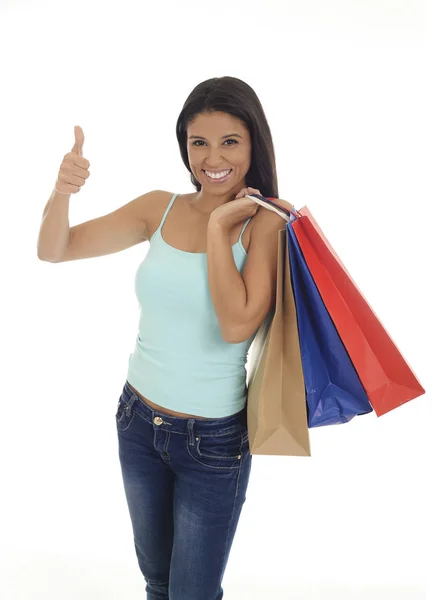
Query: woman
x=204, y=287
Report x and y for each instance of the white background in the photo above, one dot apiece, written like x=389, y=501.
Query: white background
x=347, y=90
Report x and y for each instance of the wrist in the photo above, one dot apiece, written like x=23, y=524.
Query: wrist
x=218, y=224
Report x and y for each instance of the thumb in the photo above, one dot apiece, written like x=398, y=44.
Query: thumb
x=80, y=138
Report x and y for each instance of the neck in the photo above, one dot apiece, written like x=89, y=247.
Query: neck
x=205, y=203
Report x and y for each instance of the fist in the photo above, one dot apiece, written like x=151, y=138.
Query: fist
x=73, y=171
x=246, y=191
x=229, y=214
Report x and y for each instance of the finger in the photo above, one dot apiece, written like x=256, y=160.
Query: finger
x=79, y=140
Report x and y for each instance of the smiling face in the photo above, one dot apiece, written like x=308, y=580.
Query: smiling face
x=219, y=142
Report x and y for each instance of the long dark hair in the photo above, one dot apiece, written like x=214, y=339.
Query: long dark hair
x=235, y=97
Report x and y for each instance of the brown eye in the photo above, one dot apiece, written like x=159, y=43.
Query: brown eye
x=201, y=141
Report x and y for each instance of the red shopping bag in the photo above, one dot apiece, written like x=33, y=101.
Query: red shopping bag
x=386, y=377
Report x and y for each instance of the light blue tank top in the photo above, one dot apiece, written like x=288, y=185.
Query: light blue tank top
x=180, y=360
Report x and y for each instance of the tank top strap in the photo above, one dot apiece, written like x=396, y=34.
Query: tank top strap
x=168, y=208
x=243, y=229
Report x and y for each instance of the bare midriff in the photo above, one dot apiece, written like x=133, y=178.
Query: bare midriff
x=164, y=410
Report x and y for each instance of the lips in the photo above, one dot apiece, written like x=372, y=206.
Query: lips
x=215, y=172
x=218, y=180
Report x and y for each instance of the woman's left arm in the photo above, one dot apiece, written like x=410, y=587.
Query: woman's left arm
x=243, y=301
x=227, y=288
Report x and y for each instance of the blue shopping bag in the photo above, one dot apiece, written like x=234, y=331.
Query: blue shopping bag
x=334, y=392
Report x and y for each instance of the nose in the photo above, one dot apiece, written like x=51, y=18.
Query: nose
x=213, y=157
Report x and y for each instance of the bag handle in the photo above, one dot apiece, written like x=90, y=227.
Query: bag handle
x=270, y=202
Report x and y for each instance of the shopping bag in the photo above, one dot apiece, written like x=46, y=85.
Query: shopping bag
x=276, y=404
x=334, y=392
x=387, y=378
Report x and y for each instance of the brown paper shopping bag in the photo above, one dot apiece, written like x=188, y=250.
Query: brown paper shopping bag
x=277, y=412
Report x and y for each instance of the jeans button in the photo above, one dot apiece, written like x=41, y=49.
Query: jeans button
x=158, y=420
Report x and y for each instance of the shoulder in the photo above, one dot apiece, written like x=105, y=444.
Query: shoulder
x=158, y=199
x=163, y=197
x=156, y=204
x=149, y=206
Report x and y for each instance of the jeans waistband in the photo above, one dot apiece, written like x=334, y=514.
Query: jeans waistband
x=184, y=425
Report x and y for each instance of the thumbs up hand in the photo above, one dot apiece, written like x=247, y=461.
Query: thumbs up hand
x=73, y=170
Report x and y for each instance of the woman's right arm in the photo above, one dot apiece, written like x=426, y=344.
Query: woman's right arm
x=55, y=231
x=113, y=232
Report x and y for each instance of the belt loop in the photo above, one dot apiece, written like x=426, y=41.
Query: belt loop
x=130, y=403
x=190, y=429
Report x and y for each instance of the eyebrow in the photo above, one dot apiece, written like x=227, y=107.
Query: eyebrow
x=223, y=137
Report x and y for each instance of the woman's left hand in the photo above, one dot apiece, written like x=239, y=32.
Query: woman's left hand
x=237, y=210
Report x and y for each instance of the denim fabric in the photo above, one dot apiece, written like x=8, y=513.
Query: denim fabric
x=185, y=482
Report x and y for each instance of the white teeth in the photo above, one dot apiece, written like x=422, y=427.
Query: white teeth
x=217, y=175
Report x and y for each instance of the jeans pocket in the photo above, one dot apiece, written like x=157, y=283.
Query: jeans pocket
x=124, y=414
x=220, y=451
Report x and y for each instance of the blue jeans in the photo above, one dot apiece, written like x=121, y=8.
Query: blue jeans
x=185, y=481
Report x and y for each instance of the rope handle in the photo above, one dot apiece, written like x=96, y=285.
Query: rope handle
x=287, y=211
